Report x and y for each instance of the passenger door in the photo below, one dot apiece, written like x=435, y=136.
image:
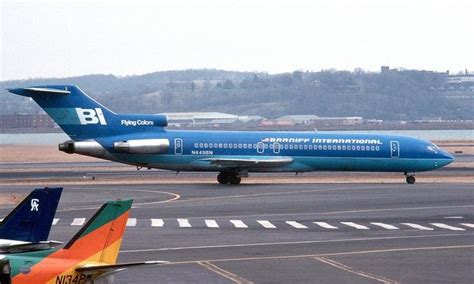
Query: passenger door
x=178, y=146
x=394, y=149
x=260, y=147
x=276, y=148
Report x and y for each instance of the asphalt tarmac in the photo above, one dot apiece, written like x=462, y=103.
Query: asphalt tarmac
x=284, y=233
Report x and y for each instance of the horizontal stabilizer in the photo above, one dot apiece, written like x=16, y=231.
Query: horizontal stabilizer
x=250, y=162
x=39, y=90
x=29, y=247
x=112, y=268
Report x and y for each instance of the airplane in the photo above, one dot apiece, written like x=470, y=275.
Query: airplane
x=27, y=226
x=143, y=140
x=89, y=257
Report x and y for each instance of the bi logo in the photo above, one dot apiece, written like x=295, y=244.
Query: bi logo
x=34, y=204
x=91, y=116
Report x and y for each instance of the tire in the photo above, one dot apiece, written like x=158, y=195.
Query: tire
x=411, y=179
x=234, y=180
x=223, y=178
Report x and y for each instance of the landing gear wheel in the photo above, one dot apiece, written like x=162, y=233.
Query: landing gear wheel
x=234, y=179
x=222, y=178
x=228, y=178
x=411, y=179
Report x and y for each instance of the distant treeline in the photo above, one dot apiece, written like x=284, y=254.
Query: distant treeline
x=390, y=95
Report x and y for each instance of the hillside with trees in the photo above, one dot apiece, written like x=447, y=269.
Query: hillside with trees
x=389, y=95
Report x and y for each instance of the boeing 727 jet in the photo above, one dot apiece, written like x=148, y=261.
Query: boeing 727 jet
x=144, y=141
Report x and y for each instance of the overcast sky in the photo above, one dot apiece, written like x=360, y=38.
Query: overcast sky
x=66, y=38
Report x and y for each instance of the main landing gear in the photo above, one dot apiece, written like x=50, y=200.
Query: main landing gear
x=228, y=178
x=410, y=178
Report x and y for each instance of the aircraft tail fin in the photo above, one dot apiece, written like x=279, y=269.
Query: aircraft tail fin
x=81, y=117
x=31, y=220
x=100, y=239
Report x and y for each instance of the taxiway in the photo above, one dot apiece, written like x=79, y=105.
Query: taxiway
x=313, y=232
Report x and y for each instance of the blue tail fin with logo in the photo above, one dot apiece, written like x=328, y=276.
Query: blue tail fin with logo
x=81, y=117
x=31, y=220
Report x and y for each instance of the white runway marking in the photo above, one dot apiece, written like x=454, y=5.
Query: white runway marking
x=469, y=225
x=296, y=225
x=55, y=221
x=211, y=224
x=78, y=221
x=184, y=223
x=238, y=224
x=416, y=226
x=157, y=222
x=445, y=226
x=385, y=226
x=325, y=225
x=355, y=225
x=266, y=224
x=131, y=222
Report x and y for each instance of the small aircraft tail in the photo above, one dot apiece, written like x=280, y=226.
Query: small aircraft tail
x=81, y=117
x=31, y=220
x=100, y=239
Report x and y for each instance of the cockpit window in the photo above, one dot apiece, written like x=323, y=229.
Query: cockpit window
x=433, y=148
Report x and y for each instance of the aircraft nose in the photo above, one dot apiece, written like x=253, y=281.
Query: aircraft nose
x=446, y=157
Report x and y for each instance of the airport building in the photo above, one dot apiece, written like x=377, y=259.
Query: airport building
x=319, y=121
x=21, y=120
x=179, y=119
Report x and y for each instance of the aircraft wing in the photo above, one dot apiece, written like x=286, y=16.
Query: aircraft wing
x=256, y=162
x=108, y=269
x=28, y=247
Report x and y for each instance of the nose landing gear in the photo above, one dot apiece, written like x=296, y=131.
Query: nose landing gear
x=410, y=178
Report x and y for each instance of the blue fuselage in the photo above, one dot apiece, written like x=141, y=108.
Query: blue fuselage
x=309, y=151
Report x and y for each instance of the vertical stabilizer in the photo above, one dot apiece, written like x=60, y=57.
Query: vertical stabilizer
x=82, y=118
x=100, y=239
x=31, y=220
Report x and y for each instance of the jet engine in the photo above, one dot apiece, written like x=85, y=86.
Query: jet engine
x=143, y=146
x=89, y=148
